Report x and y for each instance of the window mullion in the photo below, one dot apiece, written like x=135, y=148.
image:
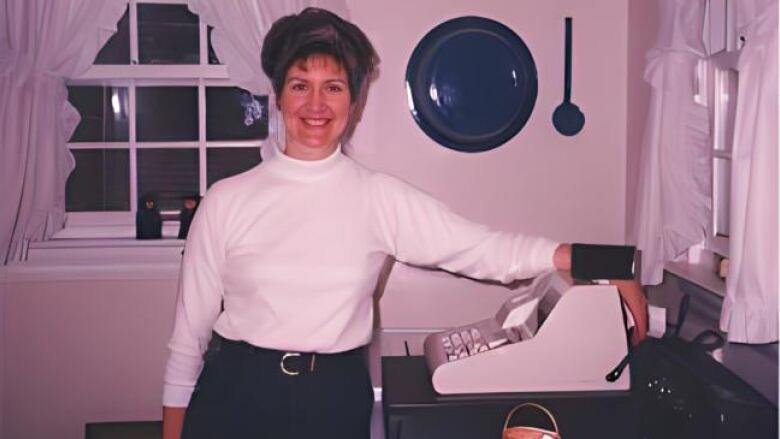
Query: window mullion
x=204, y=43
x=133, y=149
x=202, y=136
x=202, y=175
x=133, y=33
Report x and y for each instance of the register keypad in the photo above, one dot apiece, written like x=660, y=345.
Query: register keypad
x=463, y=343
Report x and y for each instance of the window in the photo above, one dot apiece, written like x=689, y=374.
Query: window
x=718, y=87
x=159, y=116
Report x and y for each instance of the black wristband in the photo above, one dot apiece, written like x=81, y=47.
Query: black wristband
x=594, y=261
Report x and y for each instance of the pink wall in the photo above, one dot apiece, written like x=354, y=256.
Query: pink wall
x=83, y=351
x=643, y=17
x=567, y=188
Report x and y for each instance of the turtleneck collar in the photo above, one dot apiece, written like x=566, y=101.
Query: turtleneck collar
x=297, y=169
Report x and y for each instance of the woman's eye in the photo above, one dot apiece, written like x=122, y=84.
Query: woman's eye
x=298, y=87
x=335, y=88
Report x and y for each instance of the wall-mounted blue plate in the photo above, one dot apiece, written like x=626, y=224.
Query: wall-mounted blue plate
x=471, y=84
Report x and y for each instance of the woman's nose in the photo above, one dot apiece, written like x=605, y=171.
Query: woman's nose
x=316, y=99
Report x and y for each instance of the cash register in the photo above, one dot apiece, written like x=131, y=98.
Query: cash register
x=552, y=335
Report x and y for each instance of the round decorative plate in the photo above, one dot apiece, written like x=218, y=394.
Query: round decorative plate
x=471, y=84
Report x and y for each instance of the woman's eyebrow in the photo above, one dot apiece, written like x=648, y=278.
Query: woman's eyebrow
x=295, y=78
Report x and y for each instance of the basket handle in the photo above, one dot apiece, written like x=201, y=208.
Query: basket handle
x=534, y=405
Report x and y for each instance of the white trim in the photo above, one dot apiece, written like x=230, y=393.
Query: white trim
x=167, y=2
x=168, y=145
x=188, y=144
x=133, y=162
x=234, y=143
x=699, y=275
x=699, y=266
x=179, y=71
x=202, y=173
x=722, y=40
x=203, y=43
x=133, y=38
x=24, y=273
x=128, y=79
x=98, y=145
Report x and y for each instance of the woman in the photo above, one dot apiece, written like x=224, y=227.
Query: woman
x=281, y=261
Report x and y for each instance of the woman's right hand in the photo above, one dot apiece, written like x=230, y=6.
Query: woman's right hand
x=173, y=421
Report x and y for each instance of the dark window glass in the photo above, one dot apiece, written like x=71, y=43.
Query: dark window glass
x=235, y=114
x=212, y=54
x=103, y=113
x=224, y=162
x=166, y=113
x=168, y=175
x=100, y=181
x=167, y=34
x=117, y=48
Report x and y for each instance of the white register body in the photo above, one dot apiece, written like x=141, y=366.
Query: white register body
x=554, y=335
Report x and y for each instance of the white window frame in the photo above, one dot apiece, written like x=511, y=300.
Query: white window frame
x=722, y=42
x=121, y=224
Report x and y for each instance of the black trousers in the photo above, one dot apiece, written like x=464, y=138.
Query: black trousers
x=243, y=392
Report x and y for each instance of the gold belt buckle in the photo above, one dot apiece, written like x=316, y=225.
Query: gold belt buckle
x=295, y=354
x=284, y=369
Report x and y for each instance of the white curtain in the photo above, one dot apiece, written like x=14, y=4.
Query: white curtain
x=673, y=196
x=42, y=42
x=749, y=313
x=239, y=29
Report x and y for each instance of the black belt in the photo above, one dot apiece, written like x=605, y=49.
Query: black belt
x=290, y=362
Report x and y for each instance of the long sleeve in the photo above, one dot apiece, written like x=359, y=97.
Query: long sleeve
x=420, y=230
x=198, y=304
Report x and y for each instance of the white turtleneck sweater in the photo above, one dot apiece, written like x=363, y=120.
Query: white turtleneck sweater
x=294, y=249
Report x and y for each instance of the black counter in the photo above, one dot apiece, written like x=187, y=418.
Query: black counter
x=677, y=391
x=413, y=409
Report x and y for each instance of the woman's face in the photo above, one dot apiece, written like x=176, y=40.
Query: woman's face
x=315, y=105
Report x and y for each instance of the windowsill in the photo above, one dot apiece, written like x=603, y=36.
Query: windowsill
x=91, y=258
x=699, y=275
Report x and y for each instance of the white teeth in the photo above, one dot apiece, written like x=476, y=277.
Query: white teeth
x=316, y=122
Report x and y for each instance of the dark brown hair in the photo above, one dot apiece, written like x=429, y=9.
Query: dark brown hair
x=316, y=31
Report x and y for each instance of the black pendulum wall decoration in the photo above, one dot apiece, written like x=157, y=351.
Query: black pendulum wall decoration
x=567, y=118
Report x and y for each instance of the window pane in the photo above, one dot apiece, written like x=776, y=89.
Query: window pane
x=103, y=113
x=166, y=113
x=234, y=114
x=725, y=108
x=212, y=54
x=168, y=174
x=100, y=181
x=224, y=162
x=167, y=34
x=117, y=48
x=721, y=201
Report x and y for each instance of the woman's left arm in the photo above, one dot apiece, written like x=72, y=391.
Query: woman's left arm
x=635, y=299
